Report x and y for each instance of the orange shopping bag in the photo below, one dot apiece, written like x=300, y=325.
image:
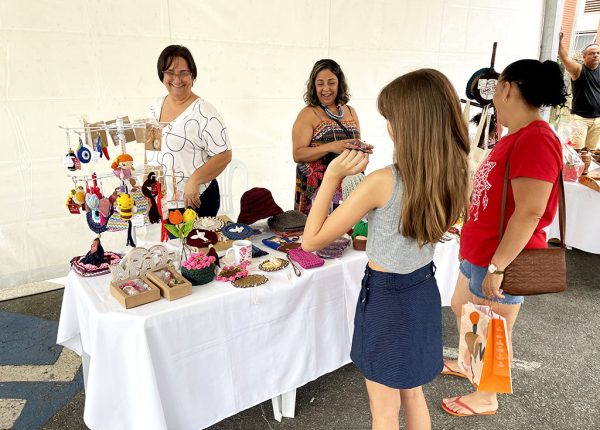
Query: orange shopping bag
x=483, y=349
x=496, y=372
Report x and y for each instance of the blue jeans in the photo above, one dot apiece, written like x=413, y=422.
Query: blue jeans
x=475, y=275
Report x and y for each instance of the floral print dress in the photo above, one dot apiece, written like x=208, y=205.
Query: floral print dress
x=310, y=175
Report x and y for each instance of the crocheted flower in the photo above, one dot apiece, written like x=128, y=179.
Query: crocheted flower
x=198, y=260
x=231, y=273
x=175, y=217
x=189, y=215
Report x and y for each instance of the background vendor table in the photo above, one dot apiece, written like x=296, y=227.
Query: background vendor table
x=190, y=363
x=583, y=218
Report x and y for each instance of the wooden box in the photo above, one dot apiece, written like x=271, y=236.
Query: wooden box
x=160, y=276
x=131, y=301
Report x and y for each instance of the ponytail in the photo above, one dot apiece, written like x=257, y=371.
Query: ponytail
x=541, y=84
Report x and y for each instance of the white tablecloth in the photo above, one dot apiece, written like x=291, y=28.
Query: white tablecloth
x=192, y=362
x=583, y=218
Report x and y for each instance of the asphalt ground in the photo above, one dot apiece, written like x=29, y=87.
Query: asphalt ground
x=556, y=378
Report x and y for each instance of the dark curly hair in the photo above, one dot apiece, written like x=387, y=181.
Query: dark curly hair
x=541, y=84
x=343, y=93
x=166, y=57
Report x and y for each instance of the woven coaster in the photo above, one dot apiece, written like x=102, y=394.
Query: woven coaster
x=210, y=223
x=237, y=231
x=201, y=238
x=273, y=264
x=250, y=281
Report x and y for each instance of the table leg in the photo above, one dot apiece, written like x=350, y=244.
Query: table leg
x=288, y=406
x=277, y=407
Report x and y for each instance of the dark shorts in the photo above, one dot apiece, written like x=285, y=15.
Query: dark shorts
x=475, y=275
x=397, y=337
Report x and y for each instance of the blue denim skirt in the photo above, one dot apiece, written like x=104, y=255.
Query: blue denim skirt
x=397, y=338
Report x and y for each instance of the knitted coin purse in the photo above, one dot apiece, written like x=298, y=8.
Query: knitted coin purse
x=307, y=260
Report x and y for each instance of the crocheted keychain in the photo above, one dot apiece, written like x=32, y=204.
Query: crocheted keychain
x=151, y=189
x=83, y=153
x=126, y=208
x=123, y=169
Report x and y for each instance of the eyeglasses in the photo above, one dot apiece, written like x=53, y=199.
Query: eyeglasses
x=181, y=75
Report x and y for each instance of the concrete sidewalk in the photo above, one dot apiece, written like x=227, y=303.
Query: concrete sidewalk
x=556, y=375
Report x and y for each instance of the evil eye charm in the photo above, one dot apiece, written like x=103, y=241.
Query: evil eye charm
x=84, y=154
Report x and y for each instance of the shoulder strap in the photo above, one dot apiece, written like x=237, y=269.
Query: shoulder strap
x=561, y=205
x=344, y=129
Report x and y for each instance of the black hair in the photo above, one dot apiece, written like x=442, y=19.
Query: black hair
x=541, y=84
x=166, y=57
x=343, y=93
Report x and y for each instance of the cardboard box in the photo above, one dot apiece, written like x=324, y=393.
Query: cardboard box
x=132, y=301
x=157, y=277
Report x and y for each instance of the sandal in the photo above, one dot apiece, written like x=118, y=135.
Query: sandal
x=448, y=371
x=447, y=409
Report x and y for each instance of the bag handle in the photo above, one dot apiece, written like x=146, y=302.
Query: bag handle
x=482, y=121
x=561, y=205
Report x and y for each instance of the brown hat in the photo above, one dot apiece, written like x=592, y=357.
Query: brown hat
x=257, y=204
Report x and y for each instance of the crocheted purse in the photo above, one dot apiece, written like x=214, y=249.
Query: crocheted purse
x=307, y=260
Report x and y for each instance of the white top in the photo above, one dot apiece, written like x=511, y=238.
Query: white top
x=188, y=142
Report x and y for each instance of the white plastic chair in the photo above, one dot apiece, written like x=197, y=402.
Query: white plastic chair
x=226, y=186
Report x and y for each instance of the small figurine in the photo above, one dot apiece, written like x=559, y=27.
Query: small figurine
x=95, y=255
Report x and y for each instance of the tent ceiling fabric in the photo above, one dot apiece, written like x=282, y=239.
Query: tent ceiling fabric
x=59, y=60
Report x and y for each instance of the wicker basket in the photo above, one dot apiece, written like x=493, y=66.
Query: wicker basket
x=199, y=276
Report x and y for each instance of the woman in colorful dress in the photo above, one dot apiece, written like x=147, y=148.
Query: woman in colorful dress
x=324, y=128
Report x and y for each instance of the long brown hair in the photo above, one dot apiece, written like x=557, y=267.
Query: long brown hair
x=431, y=150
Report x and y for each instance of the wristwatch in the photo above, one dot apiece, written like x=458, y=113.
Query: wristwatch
x=493, y=269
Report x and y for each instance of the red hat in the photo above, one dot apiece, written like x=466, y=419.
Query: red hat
x=257, y=204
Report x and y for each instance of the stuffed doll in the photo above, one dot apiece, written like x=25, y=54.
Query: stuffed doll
x=123, y=168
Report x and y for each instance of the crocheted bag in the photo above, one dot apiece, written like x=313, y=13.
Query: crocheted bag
x=307, y=260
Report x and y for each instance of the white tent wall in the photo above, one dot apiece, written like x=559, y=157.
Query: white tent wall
x=62, y=59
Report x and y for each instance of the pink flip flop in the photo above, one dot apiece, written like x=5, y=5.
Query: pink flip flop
x=465, y=406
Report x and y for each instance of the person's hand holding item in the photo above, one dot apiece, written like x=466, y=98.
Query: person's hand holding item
x=359, y=145
x=348, y=163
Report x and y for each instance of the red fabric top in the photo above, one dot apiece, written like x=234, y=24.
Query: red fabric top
x=535, y=152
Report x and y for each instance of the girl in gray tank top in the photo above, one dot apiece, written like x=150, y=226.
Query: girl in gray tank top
x=397, y=340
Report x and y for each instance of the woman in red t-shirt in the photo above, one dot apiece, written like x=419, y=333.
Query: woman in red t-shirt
x=535, y=157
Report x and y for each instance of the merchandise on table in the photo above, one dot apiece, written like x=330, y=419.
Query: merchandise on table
x=273, y=264
x=201, y=238
x=172, y=285
x=359, y=243
x=231, y=273
x=257, y=204
x=307, y=260
x=334, y=249
x=250, y=281
x=199, y=268
x=289, y=221
x=134, y=292
x=209, y=223
x=237, y=231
